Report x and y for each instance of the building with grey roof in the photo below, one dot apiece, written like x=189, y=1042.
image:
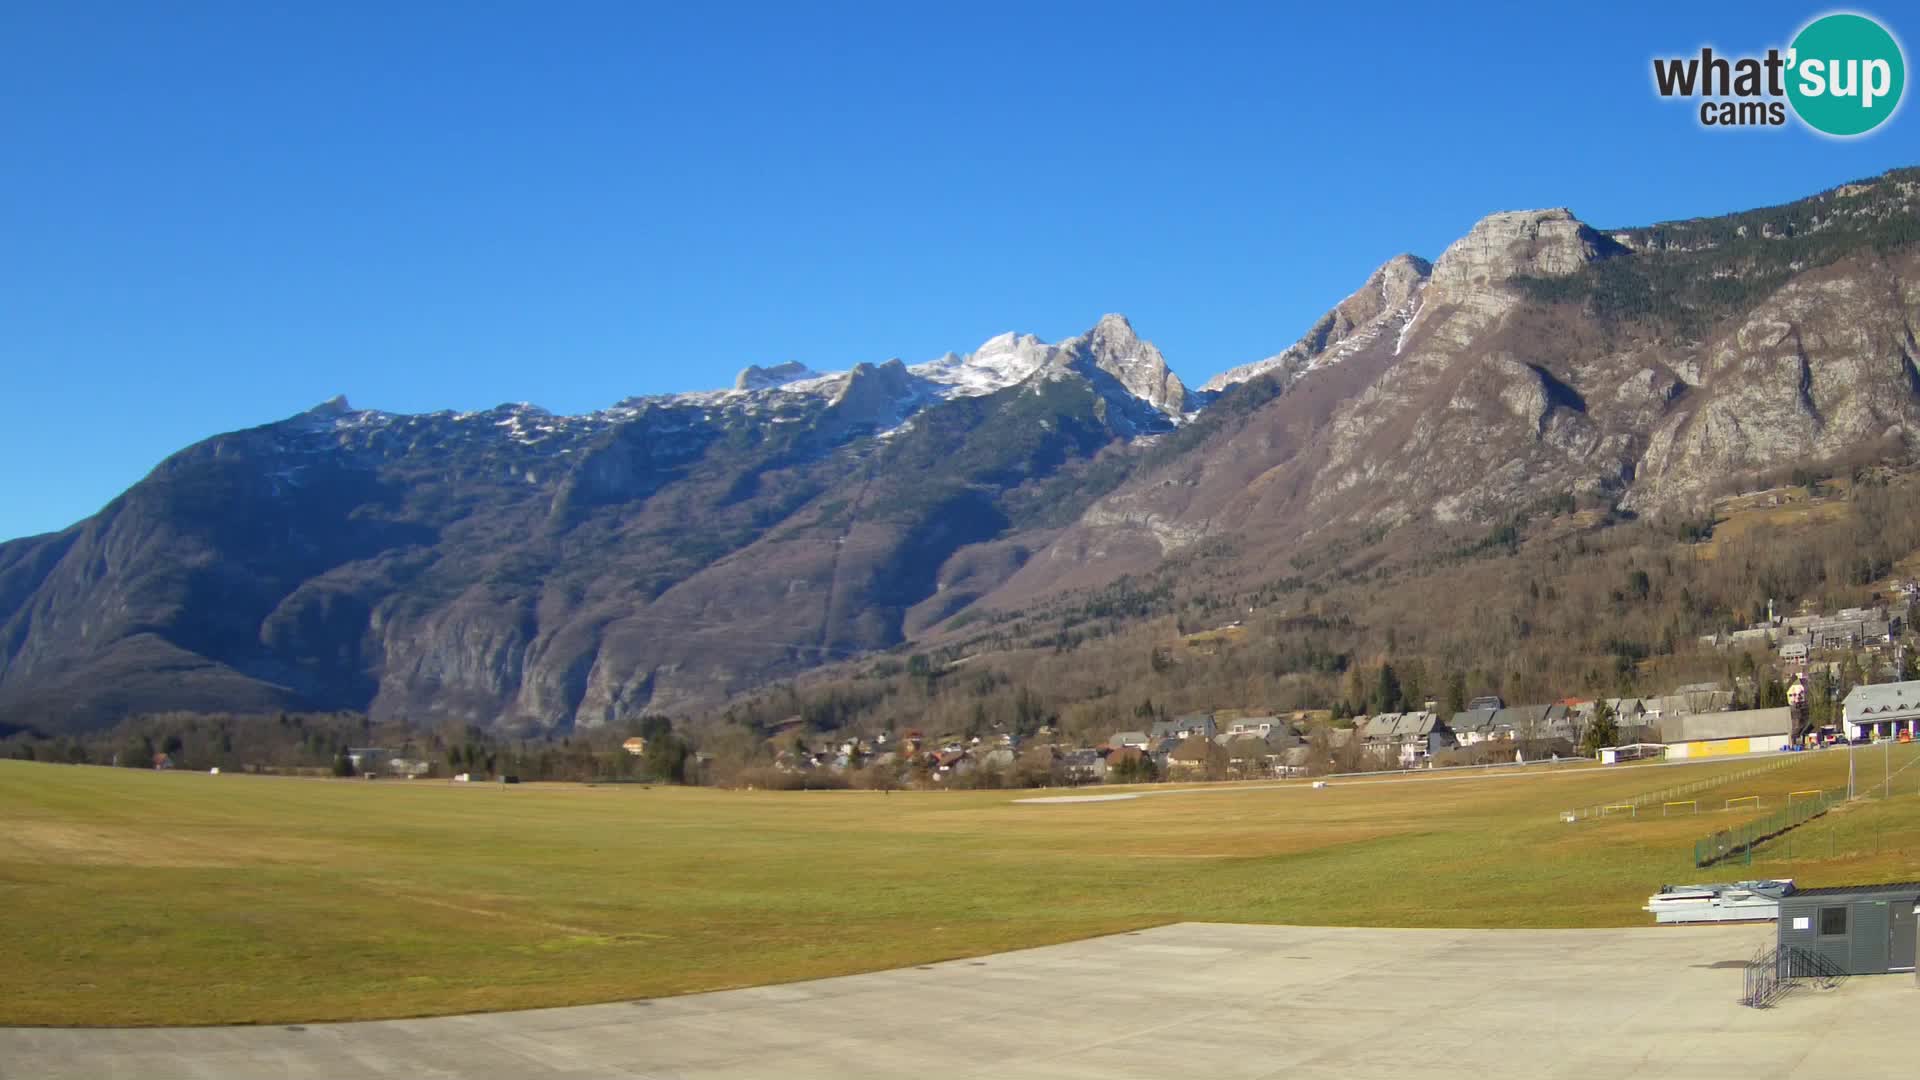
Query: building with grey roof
x=1882, y=710
x=1472, y=726
x=1535, y=722
x=1711, y=734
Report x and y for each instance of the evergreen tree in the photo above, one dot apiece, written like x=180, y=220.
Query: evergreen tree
x=1851, y=674
x=1386, y=691
x=1602, y=730
x=1773, y=695
x=1456, y=700
x=666, y=759
x=1820, y=699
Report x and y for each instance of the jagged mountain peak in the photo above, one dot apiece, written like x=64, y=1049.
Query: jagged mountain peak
x=755, y=377
x=1536, y=243
x=1004, y=360
x=1385, y=303
x=1400, y=276
x=1112, y=346
x=879, y=396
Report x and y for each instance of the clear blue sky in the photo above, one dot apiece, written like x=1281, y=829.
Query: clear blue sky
x=213, y=216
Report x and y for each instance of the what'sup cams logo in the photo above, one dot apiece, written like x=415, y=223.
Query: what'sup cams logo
x=1842, y=76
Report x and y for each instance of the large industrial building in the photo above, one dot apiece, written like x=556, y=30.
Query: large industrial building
x=1712, y=734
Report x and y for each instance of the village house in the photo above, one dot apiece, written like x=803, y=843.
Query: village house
x=1535, y=723
x=1122, y=757
x=1853, y=627
x=1184, y=727
x=1248, y=756
x=1084, y=766
x=948, y=764
x=1284, y=737
x=1162, y=751
x=1472, y=726
x=1292, y=761
x=1261, y=726
x=1418, y=736
x=1631, y=712
x=1695, y=698
x=1377, y=731
x=1191, y=758
x=1138, y=740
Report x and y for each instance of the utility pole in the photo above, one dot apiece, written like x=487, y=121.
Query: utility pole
x=1832, y=693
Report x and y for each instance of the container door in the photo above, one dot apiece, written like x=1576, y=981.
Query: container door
x=1872, y=934
x=1900, y=935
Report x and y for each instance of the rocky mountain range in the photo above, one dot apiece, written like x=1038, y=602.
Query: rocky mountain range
x=524, y=570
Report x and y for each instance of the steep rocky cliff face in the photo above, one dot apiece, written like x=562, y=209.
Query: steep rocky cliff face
x=1384, y=305
x=1539, y=358
x=517, y=568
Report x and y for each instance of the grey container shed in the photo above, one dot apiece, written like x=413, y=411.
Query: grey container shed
x=1858, y=929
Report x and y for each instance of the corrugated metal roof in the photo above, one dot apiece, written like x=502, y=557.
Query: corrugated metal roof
x=1898, y=888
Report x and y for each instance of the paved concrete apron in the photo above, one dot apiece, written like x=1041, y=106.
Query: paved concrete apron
x=1196, y=1000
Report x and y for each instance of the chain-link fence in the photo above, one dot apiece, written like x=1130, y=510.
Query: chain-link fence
x=1739, y=841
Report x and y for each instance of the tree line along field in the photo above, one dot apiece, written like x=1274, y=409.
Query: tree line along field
x=137, y=897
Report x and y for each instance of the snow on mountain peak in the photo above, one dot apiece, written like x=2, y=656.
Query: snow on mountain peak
x=1388, y=302
x=1001, y=361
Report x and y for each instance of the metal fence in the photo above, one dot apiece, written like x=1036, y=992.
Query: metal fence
x=1742, y=839
x=1678, y=791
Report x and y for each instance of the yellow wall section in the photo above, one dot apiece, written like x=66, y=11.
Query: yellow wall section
x=1716, y=747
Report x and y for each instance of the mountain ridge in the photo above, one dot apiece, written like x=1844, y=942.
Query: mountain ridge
x=515, y=568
